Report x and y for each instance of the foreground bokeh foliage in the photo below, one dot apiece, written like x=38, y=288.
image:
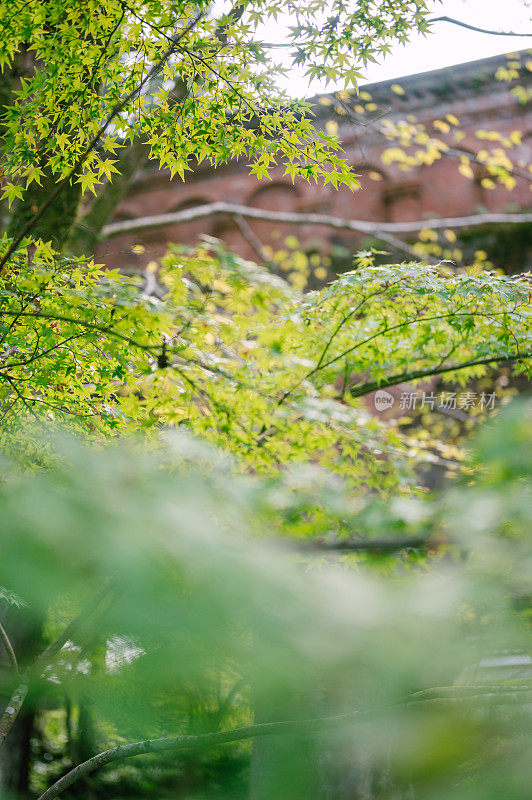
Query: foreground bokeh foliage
x=197, y=605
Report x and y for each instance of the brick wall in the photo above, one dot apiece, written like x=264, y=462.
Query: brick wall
x=469, y=91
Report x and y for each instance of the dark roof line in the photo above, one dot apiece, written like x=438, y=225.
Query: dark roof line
x=464, y=73
x=472, y=69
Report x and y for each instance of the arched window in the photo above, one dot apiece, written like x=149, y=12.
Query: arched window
x=278, y=196
x=190, y=202
x=275, y=196
x=402, y=201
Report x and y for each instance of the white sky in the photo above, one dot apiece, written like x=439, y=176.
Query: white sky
x=447, y=45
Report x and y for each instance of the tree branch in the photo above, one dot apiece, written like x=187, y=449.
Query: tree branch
x=377, y=229
x=82, y=323
x=186, y=742
x=426, y=372
x=43, y=660
x=476, y=29
x=403, y=324
x=176, y=743
x=368, y=545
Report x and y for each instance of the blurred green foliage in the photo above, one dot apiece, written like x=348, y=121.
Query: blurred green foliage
x=201, y=618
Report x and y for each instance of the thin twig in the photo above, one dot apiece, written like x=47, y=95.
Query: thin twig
x=8, y=647
x=251, y=238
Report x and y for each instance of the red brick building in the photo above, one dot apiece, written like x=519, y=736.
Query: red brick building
x=388, y=193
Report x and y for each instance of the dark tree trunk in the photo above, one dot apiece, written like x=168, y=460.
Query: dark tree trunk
x=24, y=632
x=15, y=757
